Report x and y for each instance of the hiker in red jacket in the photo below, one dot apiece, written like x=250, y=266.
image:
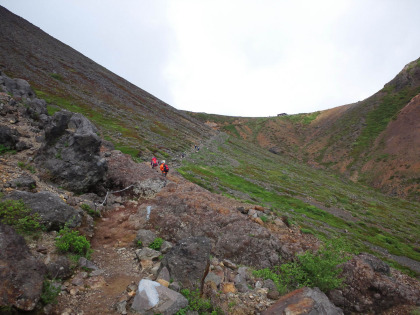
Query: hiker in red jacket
x=154, y=162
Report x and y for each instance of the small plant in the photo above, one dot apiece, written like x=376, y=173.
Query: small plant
x=90, y=211
x=156, y=244
x=195, y=303
x=139, y=244
x=49, y=293
x=16, y=214
x=264, y=218
x=23, y=165
x=311, y=269
x=70, y=241
x=4, y=149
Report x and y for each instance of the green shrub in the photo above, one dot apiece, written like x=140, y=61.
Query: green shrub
x=70, y=241
x=310, y=269
x=139, y=244
x=90, y=211
x=16, y=214
x=156, y=244
x=49, y=293
x=196, y=303
x=4, y=149
x=264, y=218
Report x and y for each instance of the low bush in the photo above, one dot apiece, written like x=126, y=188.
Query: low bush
x=310, y=269
x=16, y=214
x=156, y=244
x=49, y=293
x=70, y=241
x=197, y=304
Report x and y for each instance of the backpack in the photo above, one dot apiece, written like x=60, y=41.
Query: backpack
x=165, y=168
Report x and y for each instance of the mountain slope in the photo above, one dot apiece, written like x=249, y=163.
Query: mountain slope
x=135, y=120
x=358, y=140
x=318, y=202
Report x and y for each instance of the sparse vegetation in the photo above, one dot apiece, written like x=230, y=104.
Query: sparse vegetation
x=70, y=241
x=310, y=269
x=16, y=214
x=90, y=211
x=156, y=244
x=196, y=303
x=49, y=293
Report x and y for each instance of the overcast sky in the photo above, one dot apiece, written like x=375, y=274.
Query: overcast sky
x=240, y=57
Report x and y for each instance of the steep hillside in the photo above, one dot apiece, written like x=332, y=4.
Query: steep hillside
x=372, y=141
x=137, y=122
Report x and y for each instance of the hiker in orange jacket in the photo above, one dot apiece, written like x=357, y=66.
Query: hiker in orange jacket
x=164, y=168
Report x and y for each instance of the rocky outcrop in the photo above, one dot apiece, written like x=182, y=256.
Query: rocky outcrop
x=21, y=275
x=304, y=301
x=185, y=210
x=371, y=286
x=8, y=137
x=16, y=87
x=53, y=211
x=188, y=261
x=70, y=155
x=154, y=298
x=123, y=172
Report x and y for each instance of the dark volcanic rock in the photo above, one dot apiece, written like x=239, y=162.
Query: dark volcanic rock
x=24, y=182
x=8, y=137
x=370, y=287
x=71, y=152
x=188, y=261
x=185, y=209
x=53, y=211
x=304, y=301
x=16, y=87
x=21, y=275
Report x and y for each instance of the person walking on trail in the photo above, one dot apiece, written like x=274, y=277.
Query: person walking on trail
x=164, y=168
x=154, y=162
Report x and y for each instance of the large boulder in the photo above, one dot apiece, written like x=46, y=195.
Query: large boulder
x=8, y=137
x=304, y=301
x=370, y=286
x=21, y=275
x=188, y=261
x=154, y=298
x=53, y=211
x=16, y=87
x=70, y=155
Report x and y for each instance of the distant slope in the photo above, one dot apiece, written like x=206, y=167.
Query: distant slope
x=374, y=141
x=135, y=120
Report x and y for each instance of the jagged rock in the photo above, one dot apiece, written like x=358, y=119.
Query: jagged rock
x=303, y=301
x=70, y=155
x=188, y=261
x=369, y=287
x=240, y=280
x=147, y=253
x=145, y=236
x=153, y=298
x=211, y=276
x=37, y=110
x=85, y=263
x=21, y=275
x=164, y=274
x=8, y=137
x=16, y=87
x=59, y=268
x=53, y=211
x=165, y=247
x=24, y=182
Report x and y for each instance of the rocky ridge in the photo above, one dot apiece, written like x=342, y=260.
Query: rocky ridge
x=211, y=242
